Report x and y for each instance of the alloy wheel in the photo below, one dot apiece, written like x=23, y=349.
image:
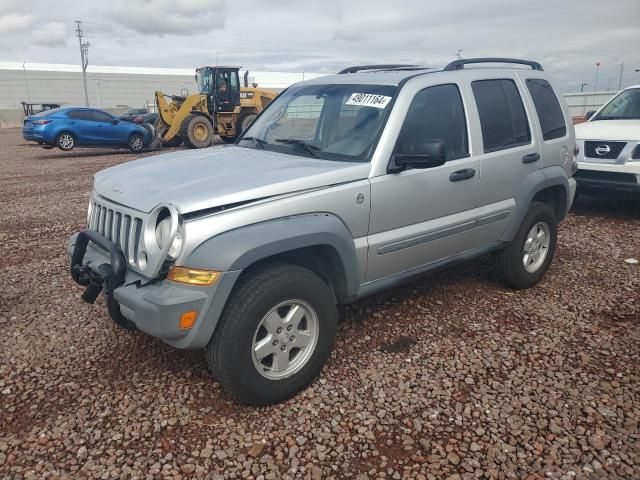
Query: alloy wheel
x=285, y=339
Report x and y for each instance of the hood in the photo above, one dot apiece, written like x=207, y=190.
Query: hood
x=609, y=130
x=193, y=180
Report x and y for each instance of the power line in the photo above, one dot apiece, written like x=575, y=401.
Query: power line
x=84, y=58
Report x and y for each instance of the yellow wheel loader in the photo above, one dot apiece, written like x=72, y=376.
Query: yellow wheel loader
x=222, y=107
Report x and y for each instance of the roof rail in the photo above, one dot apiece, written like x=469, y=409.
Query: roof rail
x=391, y=66
x=460, y=63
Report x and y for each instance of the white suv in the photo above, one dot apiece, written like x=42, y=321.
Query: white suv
x=609, y=158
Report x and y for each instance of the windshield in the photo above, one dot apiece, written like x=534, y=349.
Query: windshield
x=203, y=79
x=332, y=122
x=626, y=105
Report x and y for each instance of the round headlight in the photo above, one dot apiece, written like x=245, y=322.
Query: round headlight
x=163, y=233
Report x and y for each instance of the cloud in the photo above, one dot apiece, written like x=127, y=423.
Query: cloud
x=162, y=17
x=15, y=22
x=51, y=34
x=325, y=35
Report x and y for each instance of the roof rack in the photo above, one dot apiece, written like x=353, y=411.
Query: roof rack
x=459, y=64
x=391, y=66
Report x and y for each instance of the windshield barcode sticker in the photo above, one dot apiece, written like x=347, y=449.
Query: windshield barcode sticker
x=368, y=100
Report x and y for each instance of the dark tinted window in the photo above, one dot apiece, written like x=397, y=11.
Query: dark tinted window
x=101, y=116
x=436, y=113
x=80, y=115
x=548, y=109
x=502, y=115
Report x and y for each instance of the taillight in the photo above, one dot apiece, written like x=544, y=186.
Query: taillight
x=40, y=122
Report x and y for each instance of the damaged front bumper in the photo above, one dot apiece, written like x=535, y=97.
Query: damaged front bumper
x=153, y=306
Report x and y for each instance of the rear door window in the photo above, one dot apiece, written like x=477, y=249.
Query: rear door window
x=502, y=115
x=548, y=109
x=80, y=115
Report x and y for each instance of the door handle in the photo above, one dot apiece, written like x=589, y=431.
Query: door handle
x=531, y=157
x=462, y=174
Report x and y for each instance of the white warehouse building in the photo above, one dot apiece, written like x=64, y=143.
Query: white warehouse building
x=112, y=88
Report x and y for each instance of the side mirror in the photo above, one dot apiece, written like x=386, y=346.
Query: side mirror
x=428, y=154
x=589, y=114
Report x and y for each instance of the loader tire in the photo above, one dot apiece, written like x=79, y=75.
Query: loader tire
x=176, y=141
x=244, y=121
x=196, y=131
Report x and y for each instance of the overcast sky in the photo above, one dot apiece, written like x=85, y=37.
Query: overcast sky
x=567, y=37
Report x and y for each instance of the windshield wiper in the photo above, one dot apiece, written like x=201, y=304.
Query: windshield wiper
x=310, y=149
x=257, y=141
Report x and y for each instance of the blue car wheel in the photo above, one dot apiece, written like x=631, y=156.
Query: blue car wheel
x=65, y=141
x=136, y=143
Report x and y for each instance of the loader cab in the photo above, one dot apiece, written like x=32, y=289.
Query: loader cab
x=221, y=85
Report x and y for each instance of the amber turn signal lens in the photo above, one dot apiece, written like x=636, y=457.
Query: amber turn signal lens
x=193, y=276
x=188, y=319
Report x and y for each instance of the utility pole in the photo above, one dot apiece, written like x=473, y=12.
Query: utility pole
x=84, y=58
x=26, y=81
x=621, y=70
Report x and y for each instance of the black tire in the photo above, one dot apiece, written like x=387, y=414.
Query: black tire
x=196, y=131
x=244, y=121
x=229, y=353
x=509, y=263
x=135, y=143
x=229, y=139
x=65, y=141
x=176, y=141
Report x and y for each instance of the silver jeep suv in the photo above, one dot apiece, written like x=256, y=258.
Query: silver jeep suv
x=344, y=186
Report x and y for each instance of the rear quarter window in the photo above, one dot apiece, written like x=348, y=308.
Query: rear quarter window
x=548, y=109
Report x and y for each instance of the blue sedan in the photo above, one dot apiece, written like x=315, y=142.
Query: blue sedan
x=71, y=127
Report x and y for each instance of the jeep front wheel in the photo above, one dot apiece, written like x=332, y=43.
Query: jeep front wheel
x=275, y=335
x=526, y=259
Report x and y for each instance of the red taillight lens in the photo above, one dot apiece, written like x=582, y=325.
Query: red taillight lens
x=40, y=122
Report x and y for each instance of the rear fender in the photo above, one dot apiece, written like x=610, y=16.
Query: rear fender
x=534, y=183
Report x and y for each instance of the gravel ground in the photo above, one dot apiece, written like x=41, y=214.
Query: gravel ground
x=451, y=376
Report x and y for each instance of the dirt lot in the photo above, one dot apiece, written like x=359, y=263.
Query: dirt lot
x=451, y=376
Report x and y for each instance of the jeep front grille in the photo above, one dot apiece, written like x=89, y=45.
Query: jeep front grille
x=121, y=228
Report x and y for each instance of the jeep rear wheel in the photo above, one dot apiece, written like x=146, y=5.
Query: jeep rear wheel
x=524, y=261
x=275, y=335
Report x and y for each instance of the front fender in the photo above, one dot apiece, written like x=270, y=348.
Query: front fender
x=240, y=248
